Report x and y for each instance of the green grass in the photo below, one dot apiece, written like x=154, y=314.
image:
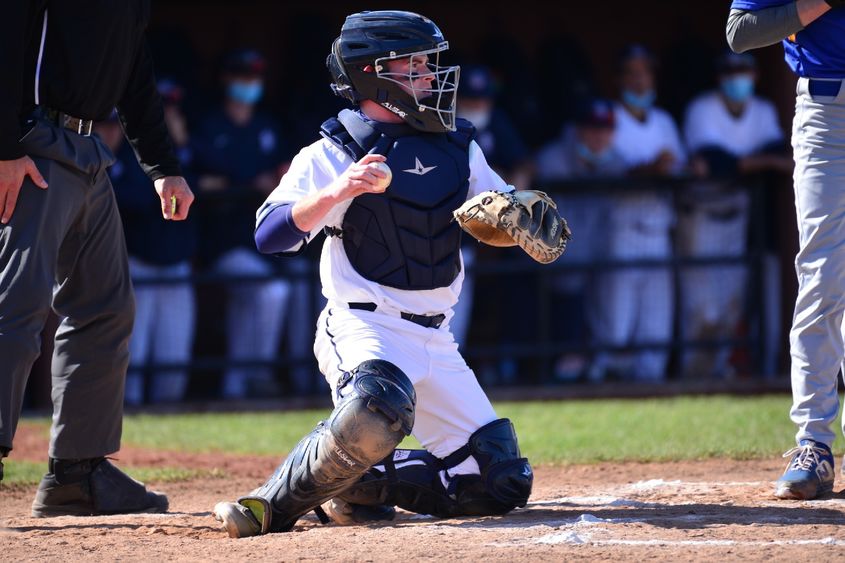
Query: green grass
x=549, y=432
x=30, y=473
x=652, y=429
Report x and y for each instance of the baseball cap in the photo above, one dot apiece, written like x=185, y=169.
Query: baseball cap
x=170, y=91
x=476, y=82
x=244, y=62
x=735, y=62
x=596, y=112
x=635, y=51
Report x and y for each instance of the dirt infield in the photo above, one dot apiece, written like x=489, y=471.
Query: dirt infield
x=710, y=510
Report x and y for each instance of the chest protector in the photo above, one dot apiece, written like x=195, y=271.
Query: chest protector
x=405, y=237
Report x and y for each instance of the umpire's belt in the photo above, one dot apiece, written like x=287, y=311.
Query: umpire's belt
x=75, y=124
x=433, y=321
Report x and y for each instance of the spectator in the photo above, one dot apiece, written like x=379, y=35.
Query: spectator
x=239, y=161
x=507, y=154
x=565, y=83
x=163, y=332
x=635, y=304
x=584, y=151
x=729, y=134
x=495, y=133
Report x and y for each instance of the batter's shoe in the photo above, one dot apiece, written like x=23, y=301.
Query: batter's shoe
x=347, y=514
x=91, y=487
x=238, y=520
x=809, y=473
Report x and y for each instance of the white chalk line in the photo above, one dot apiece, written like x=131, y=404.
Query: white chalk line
x=573, y=538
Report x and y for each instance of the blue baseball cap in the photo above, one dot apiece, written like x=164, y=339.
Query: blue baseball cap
x=596, y=112
x=476, y=82
x=730, y=62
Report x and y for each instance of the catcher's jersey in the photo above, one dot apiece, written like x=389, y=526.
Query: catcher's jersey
x=315, y=168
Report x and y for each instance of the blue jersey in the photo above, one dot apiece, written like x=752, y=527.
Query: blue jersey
x=818, y=51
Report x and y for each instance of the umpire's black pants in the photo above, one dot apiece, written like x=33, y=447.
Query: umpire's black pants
x=64, y=247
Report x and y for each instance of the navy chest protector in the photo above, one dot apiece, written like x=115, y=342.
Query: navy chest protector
x=405, y=237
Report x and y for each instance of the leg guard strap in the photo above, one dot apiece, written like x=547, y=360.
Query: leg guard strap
x=417, y=481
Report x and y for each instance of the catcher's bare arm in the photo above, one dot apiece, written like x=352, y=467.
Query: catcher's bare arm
x=528, y=219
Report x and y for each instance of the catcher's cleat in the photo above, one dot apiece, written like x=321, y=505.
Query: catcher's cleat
x=809, y=473
x=238, y=520
x=348, y=514
x=92, y=487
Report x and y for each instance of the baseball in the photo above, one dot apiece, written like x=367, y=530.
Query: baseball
x=382, y=183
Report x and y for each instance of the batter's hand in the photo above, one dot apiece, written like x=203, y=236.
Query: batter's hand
x=176, y=187
x=12, y=174
x=362, y=178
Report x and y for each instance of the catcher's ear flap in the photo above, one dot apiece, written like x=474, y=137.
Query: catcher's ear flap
x=341, y=86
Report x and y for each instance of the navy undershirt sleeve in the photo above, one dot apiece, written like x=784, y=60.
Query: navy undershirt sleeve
x=277, y=232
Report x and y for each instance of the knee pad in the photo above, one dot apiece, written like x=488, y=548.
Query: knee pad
x=506, y=475
x=414, y=480
x=374, y=412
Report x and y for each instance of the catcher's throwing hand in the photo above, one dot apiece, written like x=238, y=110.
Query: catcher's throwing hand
x=368, y=175
x=527, y=219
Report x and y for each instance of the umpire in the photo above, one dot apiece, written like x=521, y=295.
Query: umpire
x=64, y=65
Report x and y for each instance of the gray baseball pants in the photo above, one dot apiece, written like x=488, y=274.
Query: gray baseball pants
x=817, y=338
x=64, y=248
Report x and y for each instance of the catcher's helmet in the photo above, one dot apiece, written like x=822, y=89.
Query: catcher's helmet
x=357, y=65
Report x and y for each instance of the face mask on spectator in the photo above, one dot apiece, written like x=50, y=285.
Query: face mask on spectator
x=479, y=118
x=246, y=92
x=738, y=88
x=639, y=101
x=590, y=157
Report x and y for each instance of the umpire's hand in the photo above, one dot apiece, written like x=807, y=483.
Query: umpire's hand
x=12, y=174
x=176, y=197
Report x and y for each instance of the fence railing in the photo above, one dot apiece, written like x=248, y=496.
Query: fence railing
x=527, y=321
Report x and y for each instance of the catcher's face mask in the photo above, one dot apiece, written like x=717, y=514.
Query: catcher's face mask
x=432, y=87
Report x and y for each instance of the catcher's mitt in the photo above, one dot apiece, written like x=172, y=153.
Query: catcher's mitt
x=526, y=218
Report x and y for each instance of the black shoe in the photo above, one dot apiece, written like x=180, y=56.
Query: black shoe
x=3, y=453
x=347, y=513
x=90, y=487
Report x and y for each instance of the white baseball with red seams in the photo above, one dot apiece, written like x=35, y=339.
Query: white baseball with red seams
x=383, y=183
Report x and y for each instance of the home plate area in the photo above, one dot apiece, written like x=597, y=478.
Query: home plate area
x=688, y=511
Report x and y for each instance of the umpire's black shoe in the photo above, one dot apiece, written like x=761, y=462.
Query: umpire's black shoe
x=3, y=453
x=90, y=487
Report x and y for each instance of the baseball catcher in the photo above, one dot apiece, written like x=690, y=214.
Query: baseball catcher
x=384, y=183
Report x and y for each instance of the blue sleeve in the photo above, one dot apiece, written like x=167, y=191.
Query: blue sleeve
x=277, y=232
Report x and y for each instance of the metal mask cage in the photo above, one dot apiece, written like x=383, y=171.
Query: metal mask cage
x=439, y=95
